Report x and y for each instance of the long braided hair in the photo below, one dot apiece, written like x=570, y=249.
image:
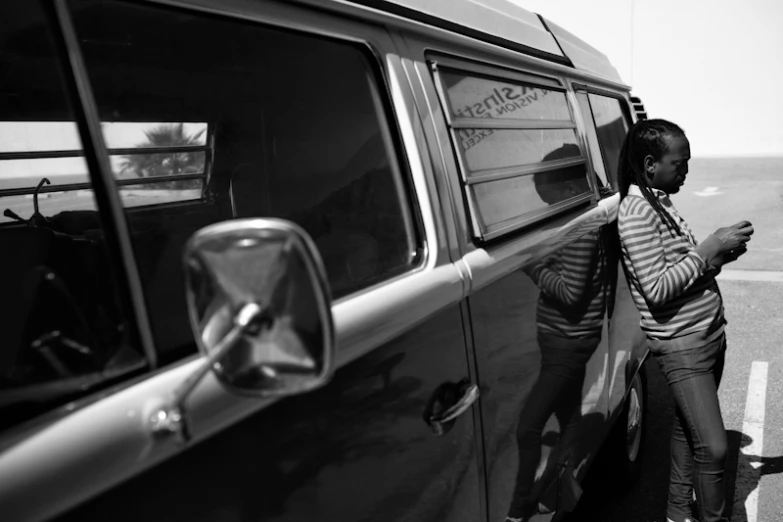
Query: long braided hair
x=646, y=137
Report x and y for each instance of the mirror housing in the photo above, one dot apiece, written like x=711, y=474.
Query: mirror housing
x=260, y=310
x=287, y=346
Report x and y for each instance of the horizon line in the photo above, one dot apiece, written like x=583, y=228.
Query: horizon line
x=740, y=155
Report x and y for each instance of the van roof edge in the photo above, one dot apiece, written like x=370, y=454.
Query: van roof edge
x=476, y=20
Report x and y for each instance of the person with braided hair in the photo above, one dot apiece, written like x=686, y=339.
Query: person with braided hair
x=672, y=279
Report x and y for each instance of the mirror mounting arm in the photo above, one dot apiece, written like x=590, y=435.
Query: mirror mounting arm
x=169, y=419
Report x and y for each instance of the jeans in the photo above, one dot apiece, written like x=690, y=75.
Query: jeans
x=557, y=390
x=698, y=441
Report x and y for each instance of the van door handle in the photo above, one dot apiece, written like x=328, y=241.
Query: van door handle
x=444, y=407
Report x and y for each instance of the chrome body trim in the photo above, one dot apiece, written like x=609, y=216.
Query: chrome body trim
x=581, y=133
x=428, y=143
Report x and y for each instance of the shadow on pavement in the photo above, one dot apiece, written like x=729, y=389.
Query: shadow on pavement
x=743, y=473
x=605, y=500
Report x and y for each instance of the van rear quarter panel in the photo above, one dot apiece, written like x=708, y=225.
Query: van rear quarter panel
x=542, y=349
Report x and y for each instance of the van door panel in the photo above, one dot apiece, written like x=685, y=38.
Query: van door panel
x=357, y=449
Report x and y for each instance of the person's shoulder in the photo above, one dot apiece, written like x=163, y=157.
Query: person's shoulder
x=633, y=206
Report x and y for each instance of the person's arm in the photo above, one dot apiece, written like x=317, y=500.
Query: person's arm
x=568, y=286
x=643, y=247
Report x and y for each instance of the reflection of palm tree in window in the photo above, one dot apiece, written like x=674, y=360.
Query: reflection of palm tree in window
x=150, y=165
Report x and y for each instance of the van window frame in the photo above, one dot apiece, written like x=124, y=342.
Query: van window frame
x=377, y=71
x=480, y=233
x=625, y=107
x=71, y=392
x=109, y=206
x=87, y=117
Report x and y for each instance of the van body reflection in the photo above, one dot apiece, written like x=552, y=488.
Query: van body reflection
x=569, y=323
x=545, y=349
x=543, y=354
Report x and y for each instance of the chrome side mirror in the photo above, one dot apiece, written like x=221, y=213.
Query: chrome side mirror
x=260, y=310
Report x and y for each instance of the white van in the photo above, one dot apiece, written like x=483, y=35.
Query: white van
x=311, y=260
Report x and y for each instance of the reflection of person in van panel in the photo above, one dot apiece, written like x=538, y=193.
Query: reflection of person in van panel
x=569, y=320
x=672, y=280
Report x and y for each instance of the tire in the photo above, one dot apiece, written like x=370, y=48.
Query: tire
x=626, y=440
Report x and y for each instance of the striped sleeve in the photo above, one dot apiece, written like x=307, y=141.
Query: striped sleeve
x=569, y=284
x=644, y=249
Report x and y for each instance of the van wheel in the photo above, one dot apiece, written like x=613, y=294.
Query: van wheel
x=626, y=440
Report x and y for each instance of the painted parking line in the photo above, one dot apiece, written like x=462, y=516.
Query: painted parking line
x=748, y=477
x=751, y=275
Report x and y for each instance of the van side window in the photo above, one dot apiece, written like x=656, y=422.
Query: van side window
x=153, y=163
x=607, y=123
x=63, y=332
x=277, y=124
x=518, y=149
x=159, y=162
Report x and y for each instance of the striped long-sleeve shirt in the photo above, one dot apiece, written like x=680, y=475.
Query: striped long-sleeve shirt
x=671, y=284
x=573, y=294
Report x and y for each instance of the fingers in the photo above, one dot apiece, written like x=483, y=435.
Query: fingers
x=744, y=227
x=737, y=252
x=733, y=255
x=735, y=236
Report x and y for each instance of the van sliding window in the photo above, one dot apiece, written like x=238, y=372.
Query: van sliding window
x=517, y=147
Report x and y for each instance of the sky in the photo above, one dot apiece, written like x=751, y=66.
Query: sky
x=711, y=66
